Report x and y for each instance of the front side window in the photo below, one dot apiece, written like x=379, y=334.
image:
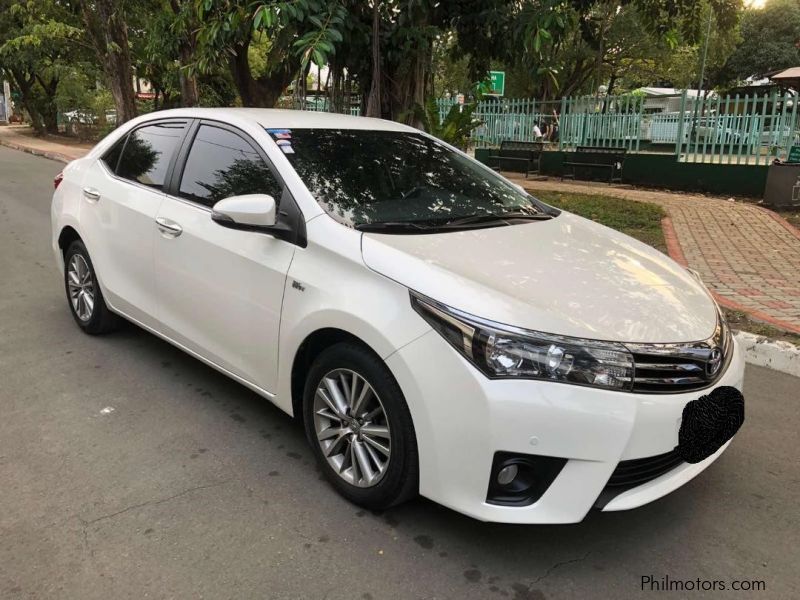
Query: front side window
x=222, y=164
x=146, y=156
x=363, y=177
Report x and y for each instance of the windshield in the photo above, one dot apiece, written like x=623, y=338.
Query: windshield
x=363, y=177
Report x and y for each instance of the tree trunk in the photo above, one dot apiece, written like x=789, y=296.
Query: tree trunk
x=49, y=110
x=188, y=83
x=186, y=51
x=25, y=86
x=374, y=101
x=106, y=26
x=265, y=91
x=409, y=86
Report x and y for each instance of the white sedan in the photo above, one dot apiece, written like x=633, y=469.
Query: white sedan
x=438, y=330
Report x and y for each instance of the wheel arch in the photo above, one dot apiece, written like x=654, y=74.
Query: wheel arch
x=67, y=235
x=312, y=346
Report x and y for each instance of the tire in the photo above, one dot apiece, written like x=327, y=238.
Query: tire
x=399, y=480
x=97, y=318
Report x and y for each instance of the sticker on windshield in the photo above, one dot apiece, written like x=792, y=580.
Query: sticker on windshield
x=280, y=133
x=287, y=149
x=283, y=142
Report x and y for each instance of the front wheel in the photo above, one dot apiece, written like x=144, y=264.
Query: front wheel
x=359, y=427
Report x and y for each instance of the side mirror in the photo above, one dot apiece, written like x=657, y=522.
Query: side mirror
x=251, y=211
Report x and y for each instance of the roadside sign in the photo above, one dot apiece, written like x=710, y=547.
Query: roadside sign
x=794, y=155
x=497, y=79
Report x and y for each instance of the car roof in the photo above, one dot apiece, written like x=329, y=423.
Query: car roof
x=274, y=118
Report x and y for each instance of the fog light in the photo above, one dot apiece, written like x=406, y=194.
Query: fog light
x=521, y=479
x=507, y=474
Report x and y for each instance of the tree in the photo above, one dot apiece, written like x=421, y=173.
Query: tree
x=40, y=42
x=297, y=33
x=770, y=40
x=107, y=29
x=573, y=46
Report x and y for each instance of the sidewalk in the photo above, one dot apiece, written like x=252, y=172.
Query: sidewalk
x=747, y=255
x=20, y=137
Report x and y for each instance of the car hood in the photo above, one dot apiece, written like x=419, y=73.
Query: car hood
x=567, y=275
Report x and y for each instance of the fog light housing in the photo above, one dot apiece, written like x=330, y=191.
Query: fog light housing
x=521, y=479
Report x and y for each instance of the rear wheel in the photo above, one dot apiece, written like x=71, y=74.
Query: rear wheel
x=359, y=427
x=83, y=292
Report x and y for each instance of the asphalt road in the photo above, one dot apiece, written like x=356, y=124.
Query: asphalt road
x=194, y=487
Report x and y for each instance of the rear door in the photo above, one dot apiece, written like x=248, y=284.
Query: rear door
x=121, y=195
x=220, y=289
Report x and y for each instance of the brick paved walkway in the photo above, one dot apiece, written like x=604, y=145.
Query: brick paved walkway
x=748, y=256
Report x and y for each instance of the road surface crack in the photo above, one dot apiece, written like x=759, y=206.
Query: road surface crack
x=152, y=502
x=561, y=564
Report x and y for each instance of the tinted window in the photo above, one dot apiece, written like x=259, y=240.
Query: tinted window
x=363, y=176
x=111, y=158
x=222, y=164
x=148, y=152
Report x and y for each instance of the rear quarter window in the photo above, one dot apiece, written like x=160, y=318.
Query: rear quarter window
x=146, y=157
x=111, y=157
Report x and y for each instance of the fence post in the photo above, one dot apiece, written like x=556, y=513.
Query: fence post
x=681, y=125
x=562, y=125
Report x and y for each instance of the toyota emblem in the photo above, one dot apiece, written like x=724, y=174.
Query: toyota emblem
x=714, y=362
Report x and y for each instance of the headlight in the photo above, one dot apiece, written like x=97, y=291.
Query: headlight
x=501, y=351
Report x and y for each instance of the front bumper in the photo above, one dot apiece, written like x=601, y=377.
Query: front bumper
x=462, y=418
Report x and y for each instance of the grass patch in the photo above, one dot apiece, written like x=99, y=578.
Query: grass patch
x=640, y=220
x=740, y=320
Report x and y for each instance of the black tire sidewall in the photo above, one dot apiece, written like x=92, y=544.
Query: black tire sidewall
x=97, y=322
x=401, y=478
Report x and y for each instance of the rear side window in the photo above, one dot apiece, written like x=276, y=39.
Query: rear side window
x=111, y=158
x=146, y=156
x=222, y=164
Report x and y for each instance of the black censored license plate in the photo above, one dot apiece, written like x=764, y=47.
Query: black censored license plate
x=709, y=422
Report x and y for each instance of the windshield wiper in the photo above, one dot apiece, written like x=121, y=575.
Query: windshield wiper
x=492, y=217
x=461, y=222
x=391, y=226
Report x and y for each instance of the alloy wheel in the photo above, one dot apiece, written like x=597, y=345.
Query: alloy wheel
x=351, y=428
x=81, y=287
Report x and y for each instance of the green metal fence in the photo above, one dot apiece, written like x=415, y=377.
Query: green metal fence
x=322, y=104
x=609, y=122
x=751, y=129
x=514, y=119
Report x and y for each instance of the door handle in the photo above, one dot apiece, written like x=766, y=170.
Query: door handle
x=168, y=228
x=91, y=194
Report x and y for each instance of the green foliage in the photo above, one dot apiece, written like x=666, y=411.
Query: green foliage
x=769, y=40
x=40, y=43
x=455, y=128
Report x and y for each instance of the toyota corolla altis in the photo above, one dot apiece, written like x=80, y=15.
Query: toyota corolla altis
x=438, y=330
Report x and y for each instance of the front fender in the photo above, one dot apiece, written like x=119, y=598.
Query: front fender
x=330, y=287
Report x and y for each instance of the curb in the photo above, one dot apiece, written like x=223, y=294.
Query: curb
x=56, y=156
x=763, y=352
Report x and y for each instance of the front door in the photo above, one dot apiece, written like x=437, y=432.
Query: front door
x=220, y=290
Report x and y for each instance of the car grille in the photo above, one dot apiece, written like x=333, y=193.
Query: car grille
x=630, y=473
x=674, y=368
